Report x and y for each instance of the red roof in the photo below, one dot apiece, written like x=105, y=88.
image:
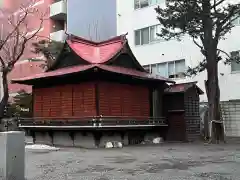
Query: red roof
x=183, y=87
x=76, y=69
x=20, y=70
x=96, y=52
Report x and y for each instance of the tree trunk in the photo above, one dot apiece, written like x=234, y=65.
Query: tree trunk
x=4, y=100
x=213, y=94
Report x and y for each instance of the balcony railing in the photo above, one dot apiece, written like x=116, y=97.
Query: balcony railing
x=58, y=10
x=91, y=122
x=58, y=36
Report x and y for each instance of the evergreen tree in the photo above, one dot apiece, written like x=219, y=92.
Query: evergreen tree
x=206, y=22
x=50, y=49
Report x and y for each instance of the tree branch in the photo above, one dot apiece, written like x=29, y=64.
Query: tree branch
x=224, y=52
x=13, y=31
x=215, y=4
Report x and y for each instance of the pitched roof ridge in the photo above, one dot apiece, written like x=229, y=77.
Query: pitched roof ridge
x=120, y=38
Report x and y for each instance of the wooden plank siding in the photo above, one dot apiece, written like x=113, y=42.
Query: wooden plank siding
x=79, y=100
x=65, y=101
x=123, y=100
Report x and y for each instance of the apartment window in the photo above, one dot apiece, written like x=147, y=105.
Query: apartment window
x=172, y=69
x=147, y=35
x=235, y=67
x=154, y=30
x=138, y=37
x=145, y=3
x=236, y=22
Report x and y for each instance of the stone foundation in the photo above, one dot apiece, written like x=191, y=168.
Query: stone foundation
x=85, y=140
x=62, y=139
x=43, y=138
x=125, y=139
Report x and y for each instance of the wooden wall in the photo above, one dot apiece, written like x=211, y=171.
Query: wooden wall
x=78, y=100
x=123, y=100
x=65, y=101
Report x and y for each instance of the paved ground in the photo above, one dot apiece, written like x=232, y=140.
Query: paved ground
x=166, y=162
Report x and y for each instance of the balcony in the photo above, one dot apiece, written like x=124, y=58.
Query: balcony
x=58, y=36
x=58, y=10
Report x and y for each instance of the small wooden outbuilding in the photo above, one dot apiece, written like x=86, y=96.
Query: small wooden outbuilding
x=181, y=108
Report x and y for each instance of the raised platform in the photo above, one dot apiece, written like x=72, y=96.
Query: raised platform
x=87, y=123
x=92, y=132
x=93, y=139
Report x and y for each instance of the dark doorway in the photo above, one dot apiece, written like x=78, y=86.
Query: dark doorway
x=176, y=126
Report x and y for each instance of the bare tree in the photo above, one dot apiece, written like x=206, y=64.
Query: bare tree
x=14, y=39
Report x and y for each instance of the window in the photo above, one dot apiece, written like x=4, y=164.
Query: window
x=154, y=30
x=172, y=69
x=138, y=37
x=234, y=65
x=145, y=3
x=236, y=22
x=147, y=35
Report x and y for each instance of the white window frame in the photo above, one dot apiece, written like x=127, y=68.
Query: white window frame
x=149, y=34
x=149, y=4
x=167, y=66
x=236, y=22
x=235, y=71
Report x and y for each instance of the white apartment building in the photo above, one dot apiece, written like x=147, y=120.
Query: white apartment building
x=170, y=58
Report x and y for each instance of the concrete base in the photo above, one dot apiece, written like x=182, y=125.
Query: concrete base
x=110, y=138
x=62, y=139
x=12, y=150
x=43, y=138
x=84, y=140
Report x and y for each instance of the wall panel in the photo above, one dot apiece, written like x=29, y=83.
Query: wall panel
x=123, y=100
x=76, y=100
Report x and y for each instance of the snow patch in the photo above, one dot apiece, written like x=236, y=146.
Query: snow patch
x=41, y=148
x=157, y=140
x=114, y=144
x=109, y=145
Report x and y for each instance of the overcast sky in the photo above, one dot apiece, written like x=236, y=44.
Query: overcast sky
x=92, y=19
